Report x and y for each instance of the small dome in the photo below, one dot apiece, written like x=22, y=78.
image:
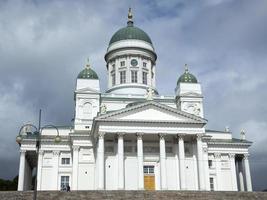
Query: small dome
x=130, y=32
x=87, y=73
x=187, y=77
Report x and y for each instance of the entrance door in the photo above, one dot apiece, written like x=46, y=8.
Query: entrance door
x=149, y=177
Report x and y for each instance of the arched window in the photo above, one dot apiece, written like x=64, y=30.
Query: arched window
x=87, y=110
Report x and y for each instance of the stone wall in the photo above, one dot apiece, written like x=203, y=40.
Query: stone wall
x=134, y=195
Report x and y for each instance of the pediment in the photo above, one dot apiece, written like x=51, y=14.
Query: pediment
x=151, y=111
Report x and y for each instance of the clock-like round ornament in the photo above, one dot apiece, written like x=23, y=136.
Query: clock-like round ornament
x=134, y=62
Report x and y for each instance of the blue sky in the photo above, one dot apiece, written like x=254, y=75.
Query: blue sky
x=44, y=45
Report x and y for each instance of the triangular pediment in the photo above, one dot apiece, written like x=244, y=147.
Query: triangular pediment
x=151, y=111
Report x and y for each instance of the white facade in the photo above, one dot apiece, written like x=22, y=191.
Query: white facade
x=129, y=139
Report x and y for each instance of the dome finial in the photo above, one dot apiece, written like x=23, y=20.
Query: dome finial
x=186, y=68
x=87, y=65
x=130, y=17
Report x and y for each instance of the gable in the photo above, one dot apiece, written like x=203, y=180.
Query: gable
x=151, y=111
x=151, y=114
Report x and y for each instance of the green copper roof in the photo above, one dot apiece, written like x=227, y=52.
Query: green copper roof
x=187, y=77
x=130, y=32
x=87, y=73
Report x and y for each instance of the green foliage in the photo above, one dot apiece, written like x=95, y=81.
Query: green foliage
x=6, y=185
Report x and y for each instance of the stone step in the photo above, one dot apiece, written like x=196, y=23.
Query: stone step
x=133, y=195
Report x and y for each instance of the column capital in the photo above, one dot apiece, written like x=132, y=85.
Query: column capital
x=22, y=151
x=205, y=149
x=199, y=136
x=246, y=155
x=41, y=152
x=231, y=155
x=162, y=135
x=217, y=155
x=120, y=134
x=181, y=136
x=75, y=148
x=101, y=134
x=139, y=136
x=56, y=152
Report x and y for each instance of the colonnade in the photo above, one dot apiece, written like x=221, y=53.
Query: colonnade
x=140, y=158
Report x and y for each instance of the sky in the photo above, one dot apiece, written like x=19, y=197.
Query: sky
x=44, y=45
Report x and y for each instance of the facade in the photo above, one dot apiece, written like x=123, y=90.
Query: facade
x=131, y=137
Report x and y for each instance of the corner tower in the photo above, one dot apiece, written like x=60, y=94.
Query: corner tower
x=189, y=94
x=87, y=97
x=131, y=61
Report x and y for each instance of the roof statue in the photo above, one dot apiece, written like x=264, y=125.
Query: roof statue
x=150, y=94
x=243, y=135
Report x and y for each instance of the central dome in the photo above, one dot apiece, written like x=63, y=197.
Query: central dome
x=130, y=32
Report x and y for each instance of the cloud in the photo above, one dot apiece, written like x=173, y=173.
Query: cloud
x=44, y=44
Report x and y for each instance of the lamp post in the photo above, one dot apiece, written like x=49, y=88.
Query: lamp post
x=37, y=133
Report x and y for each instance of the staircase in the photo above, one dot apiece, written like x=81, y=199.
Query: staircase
x=133, y=195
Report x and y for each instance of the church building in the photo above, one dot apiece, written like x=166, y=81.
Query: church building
x=130, y=137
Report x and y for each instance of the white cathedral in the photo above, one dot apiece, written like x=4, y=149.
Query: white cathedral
x=132, y=138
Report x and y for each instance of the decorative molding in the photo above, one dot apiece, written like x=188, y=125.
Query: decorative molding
x=246, y=155
x=231, y=155
x=181, y=137
x=139, y=136
x=101, y=135
x=41, y=152
x=217, y=155
x=205, y=149
x=22, y=151
x=75, y=148
x=162, y=136
x=56, y=153
x=199, y=136
x=120, y=134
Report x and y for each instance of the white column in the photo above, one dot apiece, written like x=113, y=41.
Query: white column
x=100, y=158
x=233, y=171
x=201, y=172
x=120, y=162
x=182, y=161
x=163, y=175
x=55, y=169
x=218, y=169
x=40, y=165
x=247, y=173
x=140, y=157
x=206, y=167
x=75, y=163
x=21, y=170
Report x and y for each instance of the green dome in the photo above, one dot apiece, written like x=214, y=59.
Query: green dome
x=87, y=73
x=130, y=32
x=187, y=78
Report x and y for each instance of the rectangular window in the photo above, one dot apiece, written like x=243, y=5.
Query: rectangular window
x=134, y=76
x=212, y=184
x=64, y=182
x=210, y=163
x=145, y=78
x=113, y=79
x=65, y=161
x=148, y=169
x=122, y=63
x=123, y=77
x=144, y=64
